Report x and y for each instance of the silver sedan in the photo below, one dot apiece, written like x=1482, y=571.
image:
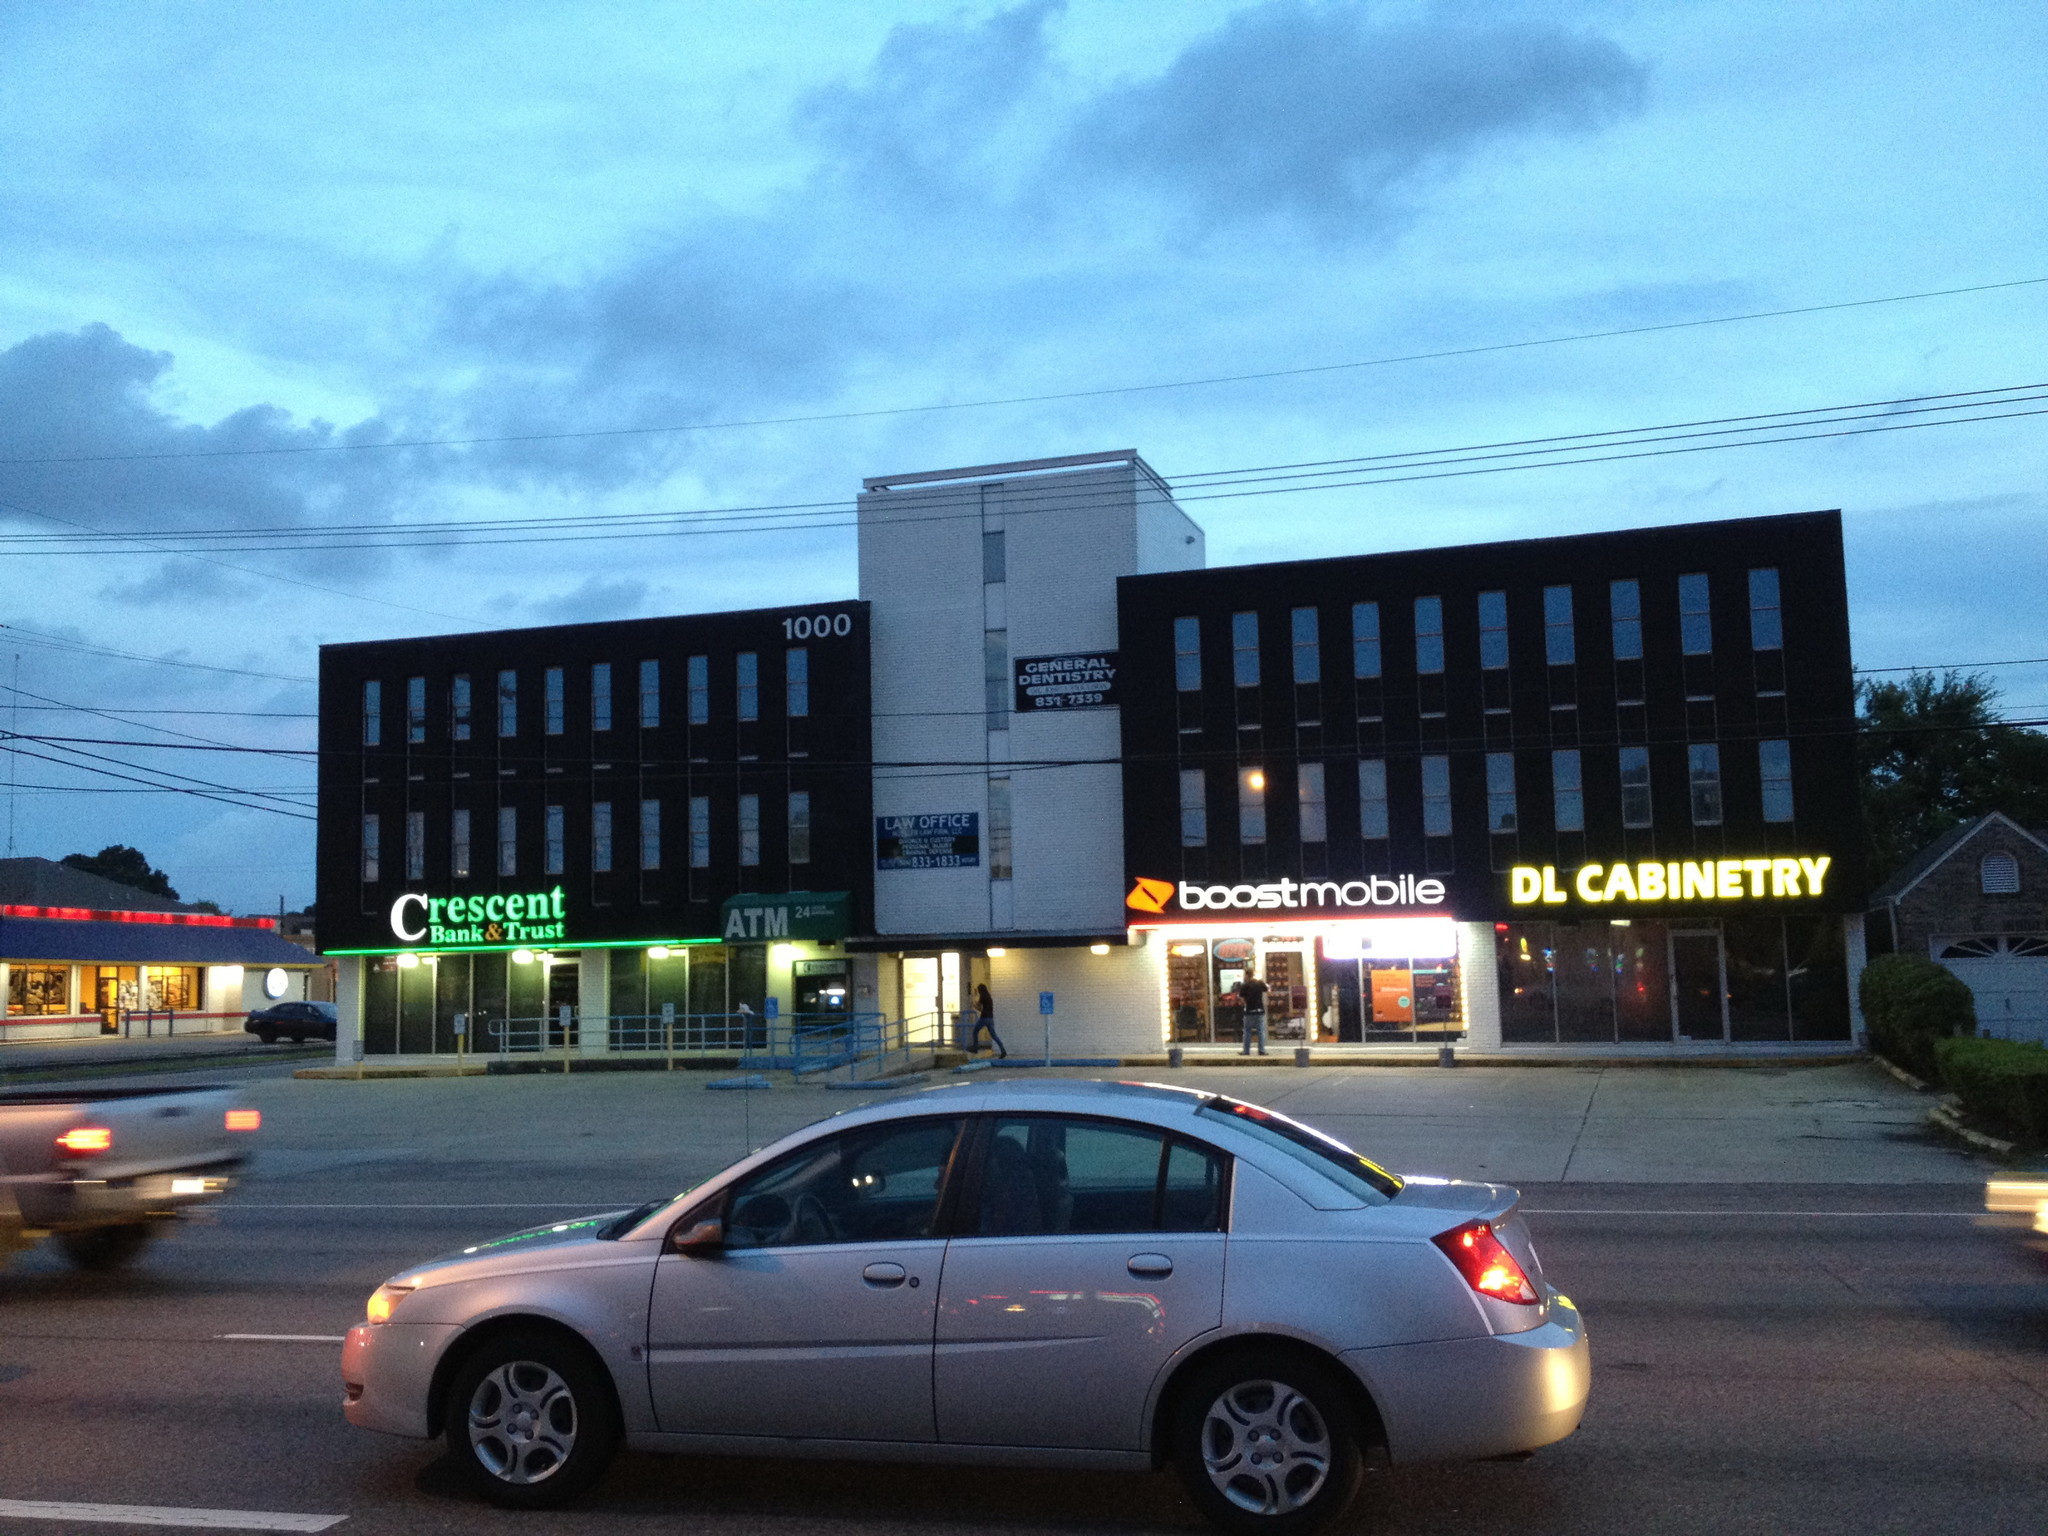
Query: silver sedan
x=1109, y=1275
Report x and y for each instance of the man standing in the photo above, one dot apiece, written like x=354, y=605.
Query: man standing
x=1251, y=995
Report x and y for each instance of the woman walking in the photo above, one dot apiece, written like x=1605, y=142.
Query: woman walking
x=985, y=1018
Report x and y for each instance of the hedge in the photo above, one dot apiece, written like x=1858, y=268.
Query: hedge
x=1908, y=1004
x=2002, y=1085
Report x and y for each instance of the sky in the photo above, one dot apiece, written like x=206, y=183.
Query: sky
x=611, y=260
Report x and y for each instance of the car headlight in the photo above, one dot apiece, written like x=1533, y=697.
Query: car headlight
x=385, y=1299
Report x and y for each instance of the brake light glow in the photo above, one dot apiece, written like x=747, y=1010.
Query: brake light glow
x=245, y=1119
x=86, y=1140
x=1486, y=1264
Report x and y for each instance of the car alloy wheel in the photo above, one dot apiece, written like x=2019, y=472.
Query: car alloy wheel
x=522, y=1422
x=1267, y=1442
x=1266, y=1448
x=531, y=1420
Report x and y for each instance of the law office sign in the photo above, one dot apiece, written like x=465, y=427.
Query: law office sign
x=1682, y=883
x=933, y=840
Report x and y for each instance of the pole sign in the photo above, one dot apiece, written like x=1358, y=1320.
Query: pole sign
x=1045, y=1003
x=1084, y=680
x=944, y=840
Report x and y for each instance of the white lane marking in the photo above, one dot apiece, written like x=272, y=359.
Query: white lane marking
x=148, y=1514
x=285, y=1338
x=1530, y=1210
x=386, y=1205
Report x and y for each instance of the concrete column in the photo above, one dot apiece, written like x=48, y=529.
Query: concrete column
x=594, y=989
x=1479, y=981
x=1856, y=945
x=348, y=1008
x=4, y=983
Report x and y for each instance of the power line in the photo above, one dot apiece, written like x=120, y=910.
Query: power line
x=1958, y=666
x=36, y=637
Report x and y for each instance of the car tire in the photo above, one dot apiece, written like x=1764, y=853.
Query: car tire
x=266, y=1037
x=104, y=1248
x=531, y=1420
x=1267, y=1442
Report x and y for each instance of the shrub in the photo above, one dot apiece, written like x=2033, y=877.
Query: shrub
x=2002, y=1084
x=1908, y=1004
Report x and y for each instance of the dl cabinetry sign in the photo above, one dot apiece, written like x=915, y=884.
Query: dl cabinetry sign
x=941, y=840
x=1079, y=680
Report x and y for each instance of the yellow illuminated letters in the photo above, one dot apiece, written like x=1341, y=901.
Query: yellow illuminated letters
x=1715, y=880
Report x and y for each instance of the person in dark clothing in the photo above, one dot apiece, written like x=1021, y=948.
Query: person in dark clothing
x=985, y=1018
x=1251, y=995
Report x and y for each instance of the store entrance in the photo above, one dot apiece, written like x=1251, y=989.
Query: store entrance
x=565, y=991
x=1699, y=986
x=931, y=991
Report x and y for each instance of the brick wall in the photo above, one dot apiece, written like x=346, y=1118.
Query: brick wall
x=1951, y=900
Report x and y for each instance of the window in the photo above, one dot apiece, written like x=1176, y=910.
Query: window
x=372, y=839
x=508, y=703
x=1500, y=792
x=553, y=703
x=700, y=831
x=1635, y=786
x=1429, y=634
x=994, y=557
x=1365, y=639
x=458, y=845
x=750, y=829
x=459, y=706
x=601, y=837
x=1625, y=602
x=1325, y=1155
x=1372, y=798
x=601, y=696
x=1436, y=796
x=554, y=840
x=415, y=845
x=995, y=671
x=1187, y=655
x=700, y=689
x=1244, y=649
x=1695, y=618
x=508, y=840
x=1560, y=643
x=796, y=673
x=799, y=826
x=999, y=830
x=876, y=1184
x=749, y=685
x=1703, y=769
x=650, y=834
x=1308, y=653
x=1194, y=809
x=1315, y=820
x=1046, y=1175
x=1493, y=632
x=373, y=714
x=38, y=989
x=1251, y=805
x=650, y=695
x=1998, y=874
x=415, y=710
x=1766, y=621
x=1567, y=790
x=1774, y=762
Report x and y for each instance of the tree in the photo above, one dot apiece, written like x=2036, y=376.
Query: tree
x=117, y=861
x=1936, y=753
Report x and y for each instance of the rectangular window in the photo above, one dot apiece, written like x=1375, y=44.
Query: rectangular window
x=1372, y=798
x=372, y=848
x=601, y=837
x=1560, y=641
x=1308, y=650
x=750, y=829
x=1194, y=809
x=600, y=696
x=1703, y=766
x=458, y=846
x=1251, y=805
x=799, y=826
x=459, y=703
x=1500, y=792
x=555, y=852
x=796, y=673
x=508, y=840
x=1315, y=819
x=416, y=709
x=1429, y=634
x=373, y=714
x=650, y=695
x=1244, y=649
x=554, y=701
x=700, y=831
x=1436, y=796
x=1625, y=601
x=1365, y=639
x=1493, y=632
x=1635, y=787
x=1000, y=828
x=1775, y=760
x=995, y=671
x=415, y=845
x=994, y=557
x=650, y=834
x=1766, y=620
x=1187, y=655
x=508, y=703
x=749, y=678
x=1567, y=790
x=700, y=689
x=1695, y=618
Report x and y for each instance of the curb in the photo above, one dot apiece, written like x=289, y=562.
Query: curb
x=375, y=1074
x=1900, y=1073
x=1943, y=1117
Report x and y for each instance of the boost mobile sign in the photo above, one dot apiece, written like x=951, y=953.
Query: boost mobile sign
x=1329, y=897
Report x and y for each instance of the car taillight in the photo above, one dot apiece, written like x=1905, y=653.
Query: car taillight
x=245, y=1119
x=86, y=1140
x=1486, y=1265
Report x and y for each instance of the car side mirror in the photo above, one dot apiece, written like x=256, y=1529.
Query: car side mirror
x=701, y=1239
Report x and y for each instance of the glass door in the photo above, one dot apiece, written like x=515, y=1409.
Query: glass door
x=1699, y=986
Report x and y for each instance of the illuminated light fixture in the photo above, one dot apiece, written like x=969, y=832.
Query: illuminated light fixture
x=1098, y=949
x=781, y=951
x=1617, y=922
x=997, y=952
x=407, y=962
x=1185, y=950
x=1256, y=778
x=522, y=957
x=657, y=951
x=275, y=980
x=243, y=1120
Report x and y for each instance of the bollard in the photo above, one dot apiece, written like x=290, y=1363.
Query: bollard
x=1301, y=1055
x=1176, y=1057
x=1446, y=1057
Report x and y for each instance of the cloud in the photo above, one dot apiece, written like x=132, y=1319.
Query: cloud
x=595, y=598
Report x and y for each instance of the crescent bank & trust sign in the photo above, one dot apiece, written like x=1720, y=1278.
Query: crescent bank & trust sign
x=517, y=918
x=1306, y=898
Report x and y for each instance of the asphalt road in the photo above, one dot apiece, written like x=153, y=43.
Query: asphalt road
x=1814, y=1355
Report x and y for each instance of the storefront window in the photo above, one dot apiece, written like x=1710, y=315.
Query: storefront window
x=38, y=989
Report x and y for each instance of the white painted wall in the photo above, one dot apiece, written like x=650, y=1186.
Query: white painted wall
x=1479, y=976
x=348, y=1007
x=1111, y=1005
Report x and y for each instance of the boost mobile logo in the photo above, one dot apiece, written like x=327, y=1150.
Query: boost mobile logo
x=1150, y=895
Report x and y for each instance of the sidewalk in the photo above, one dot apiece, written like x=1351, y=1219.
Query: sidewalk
x=43, y=1057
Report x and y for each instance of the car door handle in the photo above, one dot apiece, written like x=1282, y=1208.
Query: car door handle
x=1150, y=1266
x=883, y=1274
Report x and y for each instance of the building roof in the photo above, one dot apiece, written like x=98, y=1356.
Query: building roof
x=132, y=943
x=1936, y=853
x=47, y=883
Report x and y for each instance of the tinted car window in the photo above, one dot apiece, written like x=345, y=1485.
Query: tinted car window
x=1047, y=1175
x=1356, y=1175
x=877, y=1184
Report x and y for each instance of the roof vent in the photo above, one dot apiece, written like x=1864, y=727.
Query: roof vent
x=1999, y=874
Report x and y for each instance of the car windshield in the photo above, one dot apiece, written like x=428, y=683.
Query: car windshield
x=1356, y=1175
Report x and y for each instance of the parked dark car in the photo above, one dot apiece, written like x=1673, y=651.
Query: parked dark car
x=292, y=1021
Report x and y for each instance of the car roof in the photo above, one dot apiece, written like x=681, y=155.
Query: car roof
x=1156, y=1103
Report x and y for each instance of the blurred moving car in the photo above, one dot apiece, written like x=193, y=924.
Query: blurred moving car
x=1108, y=1275
x=295, y=1022
x=2019, y=1202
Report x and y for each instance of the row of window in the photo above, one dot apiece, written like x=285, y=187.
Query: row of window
x=1503, y=815
x=796, y=695
x=1560, y=635
x=462, y=862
